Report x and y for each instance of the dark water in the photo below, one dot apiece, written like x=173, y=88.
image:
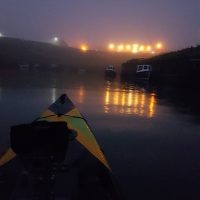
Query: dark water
x=150, y=134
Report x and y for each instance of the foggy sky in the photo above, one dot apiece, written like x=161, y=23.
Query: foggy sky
x=98, y=22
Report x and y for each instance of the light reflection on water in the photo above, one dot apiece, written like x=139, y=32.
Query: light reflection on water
x=119, y=100
x=129, y=101
x=53, y=95
x=81, y=93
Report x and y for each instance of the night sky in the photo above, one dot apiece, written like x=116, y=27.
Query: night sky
x=97, y=22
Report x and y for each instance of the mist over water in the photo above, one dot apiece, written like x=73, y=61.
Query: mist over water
x=150, y=134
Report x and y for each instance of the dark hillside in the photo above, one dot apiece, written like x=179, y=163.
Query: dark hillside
x=15, y=52
x=183, y=64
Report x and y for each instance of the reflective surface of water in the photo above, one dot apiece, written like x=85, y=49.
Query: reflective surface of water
x=150, y=134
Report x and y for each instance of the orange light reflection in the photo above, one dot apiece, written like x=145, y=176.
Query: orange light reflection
x=81, y=93
x=131, y=102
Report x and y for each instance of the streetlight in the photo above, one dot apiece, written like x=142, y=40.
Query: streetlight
x=84, y=48
x=111, y=46
x=128, y=47
x=149, y=48
x=55, y=39
x=142, y=48
x=120, y=47
x=159, y=45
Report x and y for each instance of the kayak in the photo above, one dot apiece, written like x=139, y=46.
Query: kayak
x=56, y=157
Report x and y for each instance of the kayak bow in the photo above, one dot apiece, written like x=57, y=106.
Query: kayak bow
x=86, y=173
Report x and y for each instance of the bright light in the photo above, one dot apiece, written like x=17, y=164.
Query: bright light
x=134, y=51
x=111, y=46
x=128, y=47
x=141, y=48
x=84, y=48
x=135, y=45
x=55, y=39
x=148, y=48
x=120, y=47
x=1, y=35
x=135, y=48
x=159, y=45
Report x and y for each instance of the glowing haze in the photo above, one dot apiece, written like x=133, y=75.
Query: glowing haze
x=99, y=23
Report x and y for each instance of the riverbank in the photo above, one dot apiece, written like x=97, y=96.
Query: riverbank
x=183, y=65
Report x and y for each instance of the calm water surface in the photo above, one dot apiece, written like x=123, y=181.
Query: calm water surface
x=150, y=135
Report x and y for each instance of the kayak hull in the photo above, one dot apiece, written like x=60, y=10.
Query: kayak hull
x=83, y=174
